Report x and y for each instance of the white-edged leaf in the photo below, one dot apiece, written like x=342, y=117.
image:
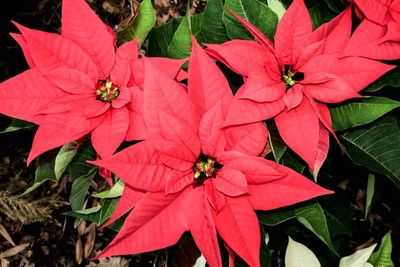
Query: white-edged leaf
x=298, y=255
x=358, y=259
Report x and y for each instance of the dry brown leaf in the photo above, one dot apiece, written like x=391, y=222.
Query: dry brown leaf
x=89, y=244
x=6, y=235
x=4, y=262
x=78, y=251
x=14, y=251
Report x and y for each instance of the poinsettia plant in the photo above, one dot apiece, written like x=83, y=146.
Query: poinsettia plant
x=227, y=123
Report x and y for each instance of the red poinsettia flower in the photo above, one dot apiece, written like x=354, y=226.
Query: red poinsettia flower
x=378, y=35
x=79, y=83
x=196, y=176
x=291, y=78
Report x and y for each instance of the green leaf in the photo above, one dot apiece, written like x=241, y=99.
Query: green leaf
x=256, y=12
x=361, y=112
x=370, y=193
x=16, y=125
x=376, y=147
x=278, y=146
x=392, y=78
x=115, y=191
x=143, y=23
x=211, y=28
x=311, y=216
x=181, y=42
x=107, y=209
x=319, y=12
x=79, y=166
x=277, y=7
x=64, y=158
x=45, y=172
x=79, y=190
x=335, y=5
x=290, y=160
x=382, y=257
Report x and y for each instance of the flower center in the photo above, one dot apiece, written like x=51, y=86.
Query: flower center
x=290, y=77
x=205, y=167
x=106, y=90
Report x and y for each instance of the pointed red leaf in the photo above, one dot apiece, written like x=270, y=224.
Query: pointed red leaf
x=293, y=97
x=231, y=182
x=248, y=138
x=202, y=226
x=72, y=81
x=322, y=150
x=173, y=155
x=206, y=84
x=256, y=169
x=67, y=103
x=163, y=93
x=375, y=10
x=291, y=189
x=242, y=56
x=83, y=26
x=334, y=90
x=211, y=136
x=60, y=129
x=238, y=226
x=22, y=96
x=292, y=32
x=50, y=51
x=138, y=166
x=299, y=128
x=215, y=198
x=153, y=224
x=109, y=135
x=176, y=181
x=137, y=128
x=22, y=43
x=127, y=201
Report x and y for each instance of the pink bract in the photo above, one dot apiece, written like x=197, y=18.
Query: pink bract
x=292, y=79
x=79, y=83
x=193, y=175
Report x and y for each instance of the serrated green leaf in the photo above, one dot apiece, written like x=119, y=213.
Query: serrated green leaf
x=370, y=193
x=391, y=78
x=382, y=257
x=277, y=7
x=44, y=172
x=64, y=158
x=79, y=189
x=142, y=25
x=16, y=125
x=377, y=147
x=256, y=12
x=361, y=112
x=311, y=216
x=115, y=191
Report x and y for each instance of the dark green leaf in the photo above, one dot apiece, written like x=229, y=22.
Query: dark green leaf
x=278, y=146
x=181, y=42
x=319, y=12
x=43, y=173
x=16, y=125
x=311, y=216
x=361, y=112
x=141, y=26
x=376, y=147
x=256, y=12
x=212, y=29
x=391, y=78
x=79, y=190
x=78, y=166
x=115, y=191
x=293, y=162
x=370, y=193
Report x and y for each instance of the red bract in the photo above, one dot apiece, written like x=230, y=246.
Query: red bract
x=288, y=80
x=79, y=83
x=378, y=35
x=198, y=177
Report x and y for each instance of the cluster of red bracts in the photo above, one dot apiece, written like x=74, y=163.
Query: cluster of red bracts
x=197, y=166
